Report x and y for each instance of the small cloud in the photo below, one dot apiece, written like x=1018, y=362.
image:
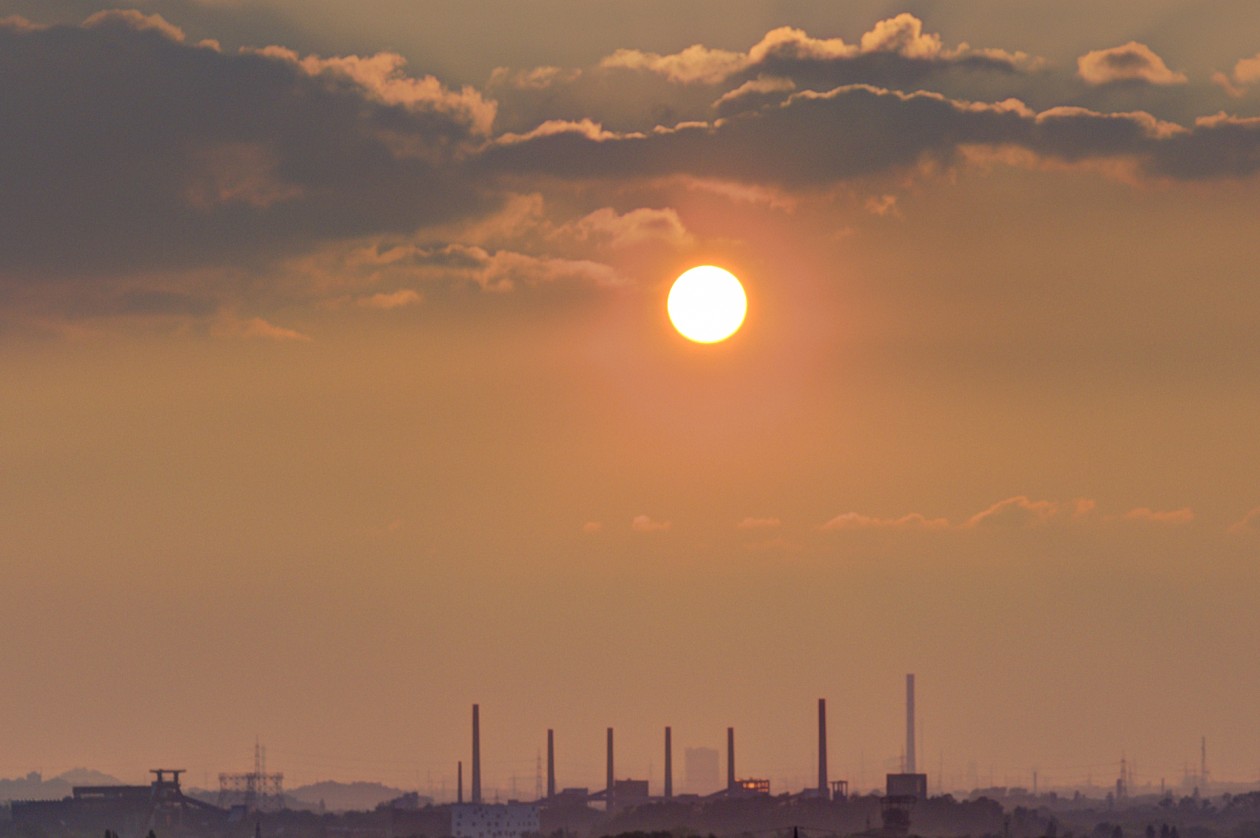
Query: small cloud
x=1018, y=511
x=396, y=299
x=1249, y=524
x=592, y=527
x=630, y=228
x=758, y=523
x=1246, y=72
x=255, y=327
x=696, y=63
x=643, y=523
x=1129, y=62
x=1173, y=516
x=17, y=23
x=882, y=205
x=537, y=78
x=903, y=35
x=858, y=521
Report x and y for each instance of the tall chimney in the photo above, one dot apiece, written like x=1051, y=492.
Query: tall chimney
x=459, y=782
x=822, y=747
x=669, y=766
x=476, y=768
x=551, y=763
x=608, y=796
x=910, y=769
x=730, y=758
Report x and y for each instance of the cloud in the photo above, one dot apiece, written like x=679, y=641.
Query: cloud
x=592, y=527
x=895, y=50
x=751, y=523
x=696, y=63
x=882, y=205
x=1131, y=62
x=128, y=149
x=536, y=78
x=754, y=93
x=1249, y=524
x=858, y=521
x=1185, y=515
x=395, y=299
x=1017, y=511
x=637, y=226
x=855, y=131
x=1014, y=513
x=491, y=269
x=229, y=326
x=383, y=77
x=131, y=19
x=643, y=523
x=1246, y=72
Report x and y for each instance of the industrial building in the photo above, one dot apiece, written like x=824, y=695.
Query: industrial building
x=500, y=820
x=127, y=810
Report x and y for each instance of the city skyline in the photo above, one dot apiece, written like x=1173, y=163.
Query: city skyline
x=338, y=390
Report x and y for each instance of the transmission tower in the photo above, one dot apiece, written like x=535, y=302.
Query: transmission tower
x=256, y=791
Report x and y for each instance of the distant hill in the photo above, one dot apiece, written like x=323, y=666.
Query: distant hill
x=34, y=787
x=87, y=777
x=344, y=797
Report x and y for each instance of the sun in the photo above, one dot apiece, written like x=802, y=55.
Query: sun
x=707, y=304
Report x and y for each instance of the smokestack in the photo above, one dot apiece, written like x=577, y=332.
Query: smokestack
x=669, y=767
x=608, y=797
x=551, y=763
x=730, y=758
x=476, y=773
x=822, y=747
x=459, y=783
x=910, y=769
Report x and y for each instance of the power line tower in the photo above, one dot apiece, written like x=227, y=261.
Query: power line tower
x=538, y=788
x=257, y=791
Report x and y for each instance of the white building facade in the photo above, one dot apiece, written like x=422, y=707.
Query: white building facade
x=498, y=820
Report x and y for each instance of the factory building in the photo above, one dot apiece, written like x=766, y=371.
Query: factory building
x=485, y=820
x=160, y=806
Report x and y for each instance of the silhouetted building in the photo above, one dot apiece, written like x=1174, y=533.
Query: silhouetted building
x=902, y=792
x=907, y=785
x=160, y=806
x=751, y=787
x=485, y=820
x=629, y=793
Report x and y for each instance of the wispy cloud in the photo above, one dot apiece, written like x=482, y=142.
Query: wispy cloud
x=1248, y=524
x=256, y=328
x=393, y=299
x=1185, y=515
x=858, y=521
x=644, y=523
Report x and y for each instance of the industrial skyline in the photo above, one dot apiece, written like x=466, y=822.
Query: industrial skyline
x=575, y=781
x=341, y=389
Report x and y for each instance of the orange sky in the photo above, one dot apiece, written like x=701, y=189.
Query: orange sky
x=337, y=392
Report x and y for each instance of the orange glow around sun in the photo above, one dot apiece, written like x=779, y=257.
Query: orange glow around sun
x=707, y=304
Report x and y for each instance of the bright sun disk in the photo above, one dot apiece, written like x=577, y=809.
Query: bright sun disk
x=707, y=304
